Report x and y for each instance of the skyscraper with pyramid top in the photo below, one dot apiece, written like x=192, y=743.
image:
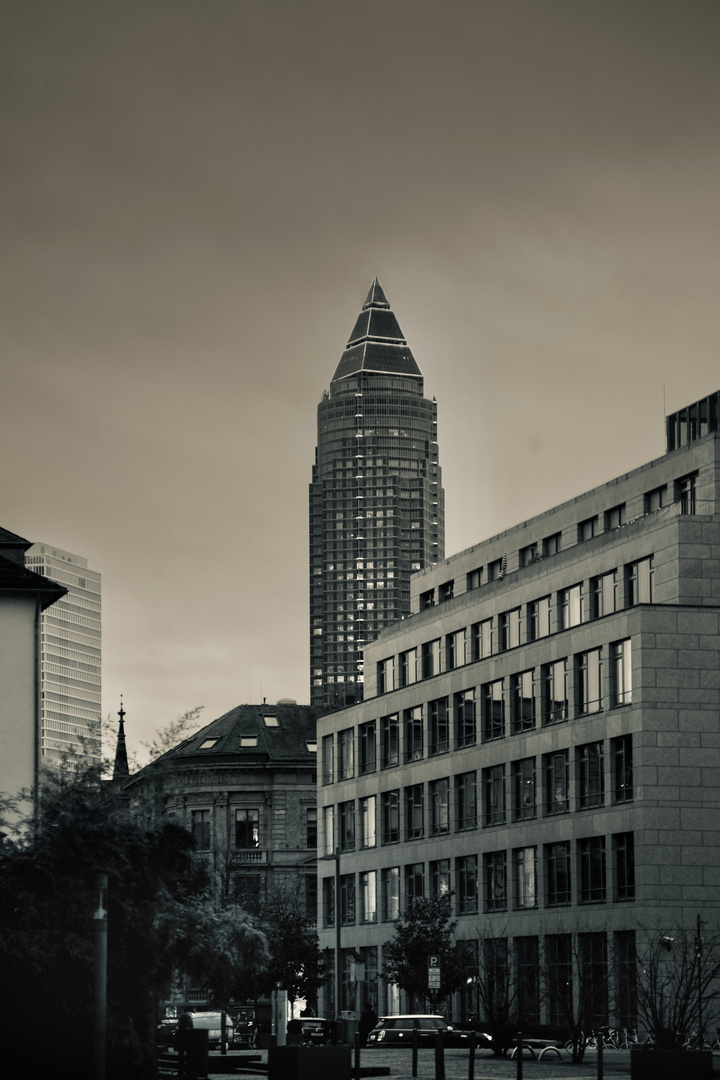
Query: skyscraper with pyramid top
x=376, y=500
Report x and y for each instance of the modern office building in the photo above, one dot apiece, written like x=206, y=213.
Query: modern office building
x=376, y=500
x=541, y=740
x=70, y=637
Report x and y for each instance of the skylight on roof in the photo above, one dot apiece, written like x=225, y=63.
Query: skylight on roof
x=248, y=740
x=207, y=743
x=271, y=721
x=312, y=746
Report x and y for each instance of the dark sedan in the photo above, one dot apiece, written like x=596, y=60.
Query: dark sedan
x=399, y=1030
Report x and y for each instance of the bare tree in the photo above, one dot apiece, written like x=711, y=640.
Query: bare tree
x=678, y=984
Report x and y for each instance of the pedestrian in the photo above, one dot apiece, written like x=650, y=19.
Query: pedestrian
x=185, y=1024
x=368, y=1020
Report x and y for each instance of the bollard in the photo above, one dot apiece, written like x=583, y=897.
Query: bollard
x=518, y=1055
x=357, y=1056
x=600, y=1071
x=439, y=1057
x=471, y=1060
x=415, y=1044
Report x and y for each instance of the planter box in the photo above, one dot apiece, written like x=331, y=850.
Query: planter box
x=309, y=1063
x=671, y=1064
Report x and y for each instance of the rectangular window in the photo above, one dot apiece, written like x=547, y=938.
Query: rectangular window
x=328, y=895
x=685, y=493
x=347, y=899
x=427, y=599
x=430, y=658
x=446, y=591
x=587, y=529
x=495, y=863
x=571, y=607
x=528, y=555
x=414, y=881
x=554, y=691
x=200, y=827
x=615, y=517
x=329, y=830
x=328, y=759
x=454, y=650
x=439, y=806
x=311, y=898
x=481, y=640
x=367, y=822
x=525, y=877
x=604, y=594
x=465, y=734
x=466, y=800
x=389, y=741
x=438, y=727
x=493, y=702
x=368, y=896
x=367, y=747
x=590, y=775
x=413, y=721
x=495, y=570
x=346, y=754
x=527, y=966
x=440, y=880
x=390, y=881
x=466, y=883
x=625, y=978
x=538, y=618
x=523, y=789
x=311, y=827
x=588, y=682
x=346, y=814
x=620, y=673
x=557, y=874
x=592, y=955
x=414, y=816
x=386, y=675
x=559, y=974
x=591, y=857
x=509, y=629
x=622, y=768
x=556, y=770
x=496, y=975
x=474, y=579
x=655, y=500
x=407, y=673
x=639, y=581
x=390, y=817
x=624, y=866
x=247, y=828
x=494, y=795
x=551, y=545
x=522, y=702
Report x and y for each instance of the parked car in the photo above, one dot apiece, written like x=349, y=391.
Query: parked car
x=310, y=1029
x=212, y=1021
x=398, y=1031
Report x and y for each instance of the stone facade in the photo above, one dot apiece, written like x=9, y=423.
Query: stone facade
x=541, y=737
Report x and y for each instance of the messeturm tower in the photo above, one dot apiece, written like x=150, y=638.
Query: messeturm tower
x=376, y=500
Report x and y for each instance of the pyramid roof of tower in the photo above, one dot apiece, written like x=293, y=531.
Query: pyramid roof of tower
x=376, y=342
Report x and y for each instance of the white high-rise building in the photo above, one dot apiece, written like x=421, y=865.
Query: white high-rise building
x=70, y=657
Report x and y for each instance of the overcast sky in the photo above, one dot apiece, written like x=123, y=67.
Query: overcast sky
x=194, y=199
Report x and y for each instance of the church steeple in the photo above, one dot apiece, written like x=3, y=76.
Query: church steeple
x=121, y=769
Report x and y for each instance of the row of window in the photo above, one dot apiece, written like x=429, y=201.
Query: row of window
x=519, y=791
x=520, y=625
x=683, y=493
x=510, y=705
x=509, y=880
x=247, y=831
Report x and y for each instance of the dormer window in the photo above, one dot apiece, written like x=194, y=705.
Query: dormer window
x=271, y=721
x=207, y=744
x=311, y=746
x=248, y=740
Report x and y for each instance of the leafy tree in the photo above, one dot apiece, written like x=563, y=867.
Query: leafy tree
x=671, y=998
x=47, y=899
x=296, y=961
x=425, y=929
